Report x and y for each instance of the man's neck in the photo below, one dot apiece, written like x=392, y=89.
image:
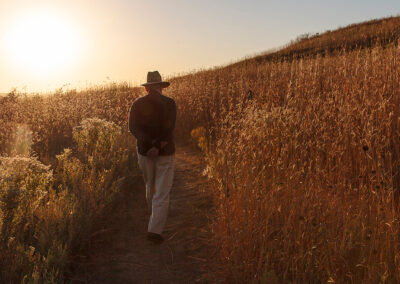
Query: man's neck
x=154, y=92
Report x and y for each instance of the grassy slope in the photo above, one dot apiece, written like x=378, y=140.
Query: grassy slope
x=300, y=172
x=355, y=36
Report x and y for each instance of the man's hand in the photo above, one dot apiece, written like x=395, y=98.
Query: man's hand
x=152, y=153
x=163, y=144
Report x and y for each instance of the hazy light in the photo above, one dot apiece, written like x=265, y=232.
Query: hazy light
x=41, y=43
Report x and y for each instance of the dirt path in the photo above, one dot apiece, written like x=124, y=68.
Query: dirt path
x=123, y=255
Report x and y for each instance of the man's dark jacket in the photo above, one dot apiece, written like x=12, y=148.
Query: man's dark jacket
x=152, y=120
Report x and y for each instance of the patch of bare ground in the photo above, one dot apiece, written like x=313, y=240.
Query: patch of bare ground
x=121, y=254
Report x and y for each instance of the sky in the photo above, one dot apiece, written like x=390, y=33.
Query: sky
x=46, y=45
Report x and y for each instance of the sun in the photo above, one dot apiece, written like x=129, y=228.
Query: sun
x=42, y=43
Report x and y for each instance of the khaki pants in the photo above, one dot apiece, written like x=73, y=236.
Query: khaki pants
x=158, y=174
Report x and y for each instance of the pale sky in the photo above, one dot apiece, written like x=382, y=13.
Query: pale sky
x=47, y=44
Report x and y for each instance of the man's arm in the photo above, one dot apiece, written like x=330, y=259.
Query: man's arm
x=134, y=127
x=168, y=125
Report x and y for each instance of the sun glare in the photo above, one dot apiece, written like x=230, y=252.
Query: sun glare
x=42, y=43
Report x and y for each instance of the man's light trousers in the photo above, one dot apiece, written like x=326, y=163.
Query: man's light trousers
x=158, y=174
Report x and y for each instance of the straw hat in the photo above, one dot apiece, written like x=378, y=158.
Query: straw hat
x=154, y=78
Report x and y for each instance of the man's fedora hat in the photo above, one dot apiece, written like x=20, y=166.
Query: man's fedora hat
x=154, y=78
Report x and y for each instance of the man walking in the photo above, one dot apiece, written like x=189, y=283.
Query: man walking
x=152, y=121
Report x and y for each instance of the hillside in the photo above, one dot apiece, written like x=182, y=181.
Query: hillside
x=304, y=153
x=302, y=158
x=358, y=36
x=378, y=32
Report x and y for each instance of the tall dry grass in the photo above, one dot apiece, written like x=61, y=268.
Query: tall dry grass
x=50, y=119
x=61, y=172
x=305, y=158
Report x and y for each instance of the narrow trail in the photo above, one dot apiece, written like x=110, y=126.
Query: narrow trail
x=123, y=255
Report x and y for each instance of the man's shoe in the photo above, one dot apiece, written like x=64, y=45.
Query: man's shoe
x=155, y=238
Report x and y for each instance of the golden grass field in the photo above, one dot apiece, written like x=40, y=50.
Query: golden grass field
x=303, y=152
x=307, y=172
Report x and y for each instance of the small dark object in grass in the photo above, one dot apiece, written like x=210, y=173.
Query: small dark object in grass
x=250, y=95
x=365, y=148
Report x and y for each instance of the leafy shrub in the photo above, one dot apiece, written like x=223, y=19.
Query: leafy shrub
x=45, y=217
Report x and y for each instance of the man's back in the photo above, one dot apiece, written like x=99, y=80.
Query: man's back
x=152, y=120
